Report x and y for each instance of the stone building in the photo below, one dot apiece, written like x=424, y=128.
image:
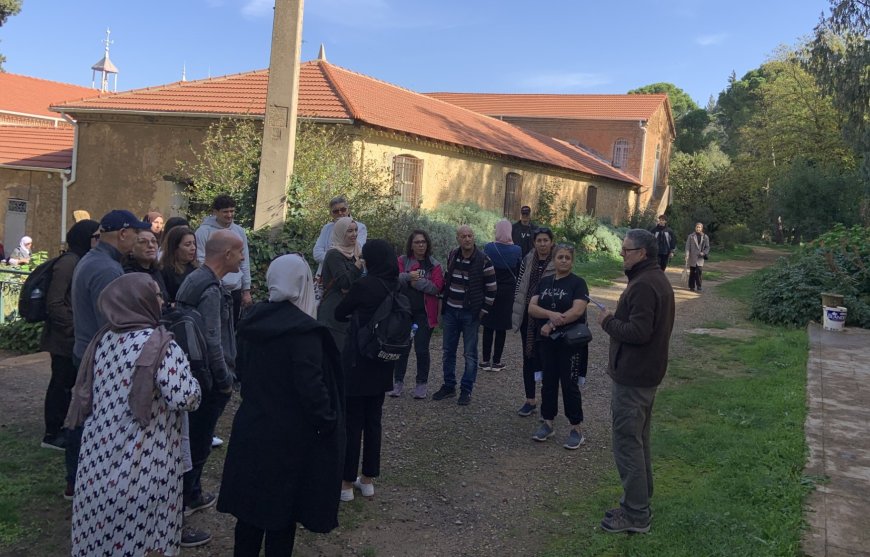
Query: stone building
x=128, y=144
x=36, y=147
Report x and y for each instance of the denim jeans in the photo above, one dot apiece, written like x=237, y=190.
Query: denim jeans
x=460, y=322
x=202, y=423
x=421, y=350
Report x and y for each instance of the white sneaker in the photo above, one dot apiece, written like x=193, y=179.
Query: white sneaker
x=367, y=490
x=346, y=495
x=216, y=442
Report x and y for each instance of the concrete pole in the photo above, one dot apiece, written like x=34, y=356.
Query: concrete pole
x=279, y=129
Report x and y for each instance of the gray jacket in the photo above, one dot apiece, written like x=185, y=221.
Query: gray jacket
x=100, y=266
x=202, y=291
x=695, y=250
x=232, y=281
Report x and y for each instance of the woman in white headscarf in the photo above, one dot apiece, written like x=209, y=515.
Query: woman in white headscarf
x=285, y=454
x=21, y=254
x=342, y=266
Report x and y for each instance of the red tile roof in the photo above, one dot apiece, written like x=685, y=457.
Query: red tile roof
x=49, y=148
x=593, y=107
x=31, y=95
x=328, y=91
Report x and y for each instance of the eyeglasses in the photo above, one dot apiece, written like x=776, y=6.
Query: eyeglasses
x=542, y=230
x=624, y=251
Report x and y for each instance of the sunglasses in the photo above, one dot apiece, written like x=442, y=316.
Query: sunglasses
x=339, y=210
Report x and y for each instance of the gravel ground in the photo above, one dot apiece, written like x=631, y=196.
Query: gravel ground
x=455, y=480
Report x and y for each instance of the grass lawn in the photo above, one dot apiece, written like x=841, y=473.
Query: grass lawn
x=728, y=453
x=600, y=270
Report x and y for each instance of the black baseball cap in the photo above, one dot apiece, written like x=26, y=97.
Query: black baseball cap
x=120, y=219
x=525, y=210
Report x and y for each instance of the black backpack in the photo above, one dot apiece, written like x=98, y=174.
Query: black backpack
x=185, y=324
x=387, y=336
x=32, y=303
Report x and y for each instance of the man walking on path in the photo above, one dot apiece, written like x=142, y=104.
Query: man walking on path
x=640, y=333
x=697, y=249
x=667, y=242
x=470, y=288
x=238, y=282
x=521, y=231
x=203, y=291
x=99, y=266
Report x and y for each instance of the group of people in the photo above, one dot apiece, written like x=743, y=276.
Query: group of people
x=137, y=421
x=697, y=250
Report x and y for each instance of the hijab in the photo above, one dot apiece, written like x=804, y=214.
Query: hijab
x=338, y=240
x=289, y=279
x=128, y=303
x=151, y=216
x=78, y=239
x=22, y=247
x=381, y=261
x=503, y=230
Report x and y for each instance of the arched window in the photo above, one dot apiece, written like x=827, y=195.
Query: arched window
x=591, y=200
x=408, y=179
x=513, y=192
x=620, y=153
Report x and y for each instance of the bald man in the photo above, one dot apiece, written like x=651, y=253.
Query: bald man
x=203, y=291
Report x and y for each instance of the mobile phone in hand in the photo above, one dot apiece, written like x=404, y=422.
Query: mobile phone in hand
x=596, y=304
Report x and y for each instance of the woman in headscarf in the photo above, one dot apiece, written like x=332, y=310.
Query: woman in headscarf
x=342, y=266
x=21, y=254
x=133, y=386
x=285, y=453
x=506, y=258
x=366, y=381
x=57, y=333
x=156, y=220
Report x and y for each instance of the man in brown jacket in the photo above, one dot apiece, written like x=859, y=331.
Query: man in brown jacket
x=640, y=333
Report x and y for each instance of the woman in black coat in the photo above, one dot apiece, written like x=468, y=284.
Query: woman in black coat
x=286, y=449
x=366, y=381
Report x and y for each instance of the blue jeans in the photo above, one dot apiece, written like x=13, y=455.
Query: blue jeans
x=456, y=322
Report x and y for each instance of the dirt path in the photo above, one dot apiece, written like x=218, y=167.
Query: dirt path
x=455, y=480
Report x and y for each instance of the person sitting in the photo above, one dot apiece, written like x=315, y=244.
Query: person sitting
x=291, y=391
x=133, y=386
x=21, y=254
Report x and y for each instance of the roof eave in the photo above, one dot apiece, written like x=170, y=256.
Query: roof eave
x=132, y=112
x=34, y=168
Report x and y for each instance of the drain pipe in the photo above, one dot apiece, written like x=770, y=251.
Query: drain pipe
x=68, y=177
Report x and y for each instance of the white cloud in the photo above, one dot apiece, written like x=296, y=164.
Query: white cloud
x=257, y=8
x=710, y=40
x=561, y=82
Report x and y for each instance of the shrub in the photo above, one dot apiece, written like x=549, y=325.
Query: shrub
x=20, y=336
x=481, y=221
x=732, y=235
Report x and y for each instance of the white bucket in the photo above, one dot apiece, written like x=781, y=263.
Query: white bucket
x=834, y=318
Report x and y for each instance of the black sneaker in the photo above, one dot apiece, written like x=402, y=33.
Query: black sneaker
x=205, y=501
x=527, y=409
x=444, y=392
x=618, y=521
x=191, y=537
x=56, y=442
x=497, y=367
x=464, y=398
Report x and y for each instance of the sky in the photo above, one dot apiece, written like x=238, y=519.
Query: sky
x=504, y=46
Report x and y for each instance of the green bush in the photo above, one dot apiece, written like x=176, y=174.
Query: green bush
x=732, y=235
x=20, y=336
x=481, y=221
x=789, y=292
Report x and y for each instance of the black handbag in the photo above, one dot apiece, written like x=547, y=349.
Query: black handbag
x=573, y=334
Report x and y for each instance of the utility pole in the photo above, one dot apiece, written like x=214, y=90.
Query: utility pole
x=279, y=128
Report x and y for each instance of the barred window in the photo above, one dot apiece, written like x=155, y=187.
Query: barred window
x=16, y=206
x=408, y=179
x=513, y=193
x=620, y=153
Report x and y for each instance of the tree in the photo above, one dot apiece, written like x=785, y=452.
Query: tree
x=736, y=105
x=681, y=102
x=840, y=60
x=7, y=8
